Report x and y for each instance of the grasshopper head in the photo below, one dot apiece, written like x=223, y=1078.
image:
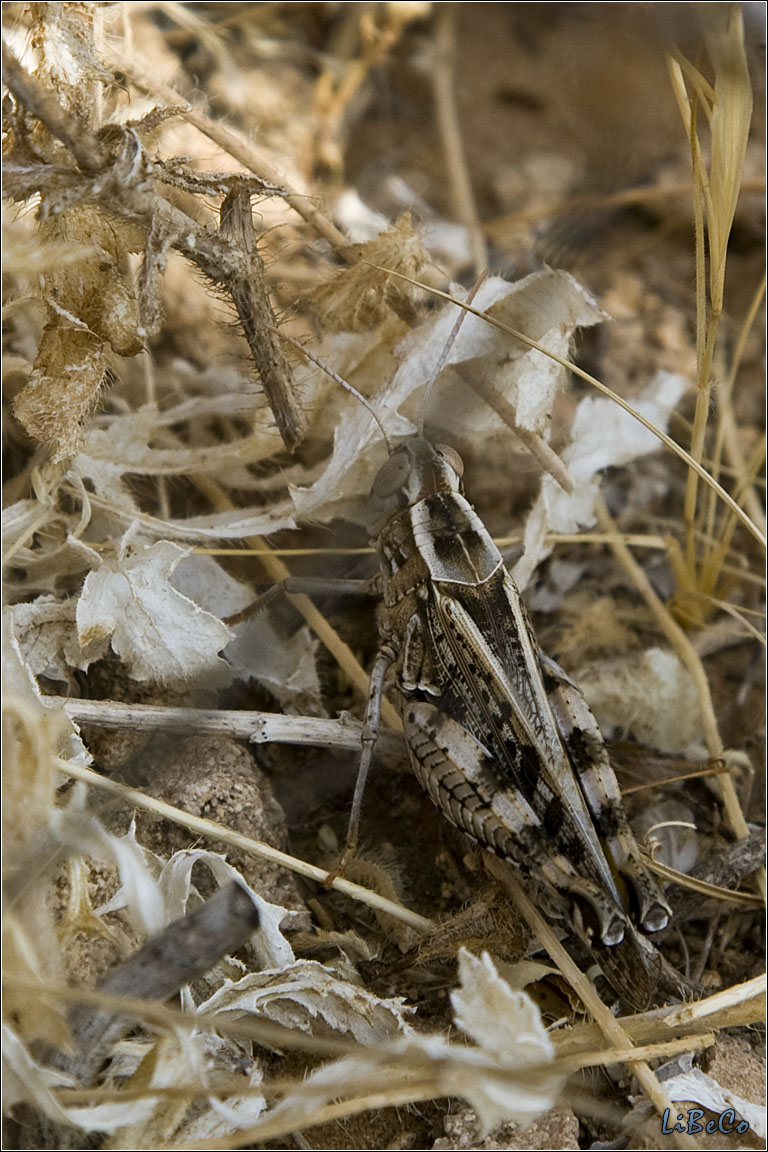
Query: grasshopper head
x=414, y=470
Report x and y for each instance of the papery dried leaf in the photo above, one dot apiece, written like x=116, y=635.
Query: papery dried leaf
x=603, y=435
x=676, y=845
x=508, y=1027
x=29, y=1081
x=90, y=306
x=243, y=522
x=19, y=682
x=20, y=519
x=308, y=995
x=160, y=634
x=222, y=1117
x=359, y=297
x=31, y=954
x=270, y=945
x=48, y=569
x=495, y=1082
x=105, y=479
x=63, y=388
x=547, y=305
x=286, y=665
x=204, y=580
x=127, y=443
x=80, y=832
x=489, y=1011
x=213, y=1116
x=195, y=1060
x=648, y=695
x=47, y=638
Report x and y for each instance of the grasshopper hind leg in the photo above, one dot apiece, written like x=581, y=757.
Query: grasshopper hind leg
x=589, y=756
x=459, y=775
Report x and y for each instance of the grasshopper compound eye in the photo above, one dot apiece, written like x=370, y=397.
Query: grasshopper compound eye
x=451, y=457
x=392, y=475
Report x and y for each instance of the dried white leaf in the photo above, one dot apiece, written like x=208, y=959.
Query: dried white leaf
x=46, y=637
x=501, y=1094
x=26, y=1080
x=306, y=994
x=139, y=892
x=19, y=680
x=124, y=447
x=603, y=435
x=286, y=665
x=678, y=846
x=345, y=1077
x=202, y=579
x=191, y=1060
x=649, y=696
x=46, y=570
x=242, y=522
x=20, y=519
x=358, y=448
x=489, y=1011
x=105, y=478
x=18, y=677
x=492, y=1077
x=126, y=444
x=172, y=888
x=507, y=1027
x=235, y=525
x=160, y=634
x=525, y=972
x=225, y=1116
x=547, y=306
x=175, y=883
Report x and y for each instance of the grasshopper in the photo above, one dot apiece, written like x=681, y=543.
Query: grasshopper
x=498, y=735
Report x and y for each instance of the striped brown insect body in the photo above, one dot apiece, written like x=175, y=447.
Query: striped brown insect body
x=498, y=735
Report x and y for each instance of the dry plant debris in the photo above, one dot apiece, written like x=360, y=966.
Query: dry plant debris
x=185, y=184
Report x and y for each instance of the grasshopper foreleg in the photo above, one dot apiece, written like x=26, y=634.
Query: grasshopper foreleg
x=305, y=586
x=370, y=735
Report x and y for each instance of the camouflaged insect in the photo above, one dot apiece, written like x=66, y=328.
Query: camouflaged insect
x=498, y=735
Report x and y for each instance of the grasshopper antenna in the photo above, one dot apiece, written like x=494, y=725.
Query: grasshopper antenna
x=447, y=349
x=339, y=380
